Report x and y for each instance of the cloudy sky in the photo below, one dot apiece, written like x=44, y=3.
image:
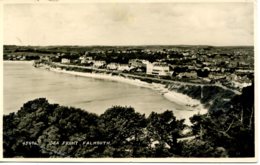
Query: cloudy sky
x=129, y=24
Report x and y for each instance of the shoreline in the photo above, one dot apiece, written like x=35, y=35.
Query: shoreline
x=191, y=105
x=17, y=62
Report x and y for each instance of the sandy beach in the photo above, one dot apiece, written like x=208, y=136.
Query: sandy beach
x=18, y=62
x=191, y=106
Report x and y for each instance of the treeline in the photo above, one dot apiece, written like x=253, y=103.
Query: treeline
x=231, y=126
x=106, y=53
x=41, y=129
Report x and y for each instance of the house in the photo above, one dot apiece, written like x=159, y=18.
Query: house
x=65, y=61
x=98, y=64
x=192, y=74
x=23, y=58
x=136, y=63
x=123, y=67
x=112, y=66
x=207, y=63
x=232, y=77
x=185, y=53
x=215, y=76
x=45, y=58
x=85, y=60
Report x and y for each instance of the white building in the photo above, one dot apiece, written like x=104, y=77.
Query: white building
x=45, y=58
x=149, y=68
x=112, y=66
x=65, y=61
x=157, y=69
x=85, y=59
x=185, y=53
x=98, y=64
x=123, y=67
x=192, y=74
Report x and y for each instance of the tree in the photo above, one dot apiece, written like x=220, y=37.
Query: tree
x=231, y=128
x=165, y=129
x=124, y=128
x=42, y=123
x=224, y=131
x=199, y=148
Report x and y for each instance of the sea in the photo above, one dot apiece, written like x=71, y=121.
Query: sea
x=23, y=82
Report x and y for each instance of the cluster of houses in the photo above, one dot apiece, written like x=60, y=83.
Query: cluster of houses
x=196, y=64
x=15, y=57
x=156, y=68
x=161, y=68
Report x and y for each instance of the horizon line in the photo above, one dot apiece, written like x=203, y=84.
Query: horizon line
x=133, y=45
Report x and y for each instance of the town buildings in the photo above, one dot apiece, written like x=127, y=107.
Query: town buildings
x=229, y=66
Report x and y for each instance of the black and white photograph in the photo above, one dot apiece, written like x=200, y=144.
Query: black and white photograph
x=161, y=80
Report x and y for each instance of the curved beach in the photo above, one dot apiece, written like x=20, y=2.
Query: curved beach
x=192, y=106
x=185, y=105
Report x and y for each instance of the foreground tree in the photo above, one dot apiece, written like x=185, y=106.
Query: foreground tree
x=164, y=129
x=124, y=129
x=39, y=129
x=231, y=128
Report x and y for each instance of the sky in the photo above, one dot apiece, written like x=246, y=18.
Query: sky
x=217, y=24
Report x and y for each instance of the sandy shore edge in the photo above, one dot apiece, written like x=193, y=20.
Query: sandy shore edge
x=192, y=106
x=190, y=103
x=17, y=62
